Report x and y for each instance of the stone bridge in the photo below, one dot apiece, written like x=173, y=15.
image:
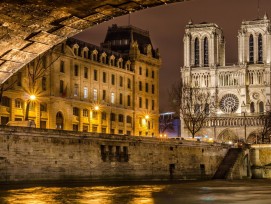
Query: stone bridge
x=29, y=28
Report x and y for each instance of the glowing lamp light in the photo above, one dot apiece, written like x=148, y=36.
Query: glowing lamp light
x=96, y=107
x=32, y=97
x=147, y=117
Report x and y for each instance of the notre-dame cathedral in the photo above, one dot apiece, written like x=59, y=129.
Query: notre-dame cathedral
x=240, y=91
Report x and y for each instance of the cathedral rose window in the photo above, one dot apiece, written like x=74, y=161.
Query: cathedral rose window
x=229, y=103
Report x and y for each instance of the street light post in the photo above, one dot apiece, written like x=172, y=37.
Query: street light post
x=31, y=99
x=147, y=125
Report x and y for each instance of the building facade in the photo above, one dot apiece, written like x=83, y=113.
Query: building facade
x=112, y=88
x=240, y=92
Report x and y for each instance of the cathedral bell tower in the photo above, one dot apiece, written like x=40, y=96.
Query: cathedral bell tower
x=204, y=45
x=254, y=42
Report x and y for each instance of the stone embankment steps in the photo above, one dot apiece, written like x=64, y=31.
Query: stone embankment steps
x=227, y=163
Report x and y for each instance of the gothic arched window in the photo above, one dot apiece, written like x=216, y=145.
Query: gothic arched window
x=251, y=49
x=261, y=108
x=252, y=108
x=196, y=52
x=260, y=49
x=206, y=60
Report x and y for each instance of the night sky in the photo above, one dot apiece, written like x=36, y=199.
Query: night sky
x=166, y=26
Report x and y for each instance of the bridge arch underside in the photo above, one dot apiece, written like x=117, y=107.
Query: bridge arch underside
x=29, y=28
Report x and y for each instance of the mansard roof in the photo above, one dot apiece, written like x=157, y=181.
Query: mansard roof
x=119, y=39
x=82, y=44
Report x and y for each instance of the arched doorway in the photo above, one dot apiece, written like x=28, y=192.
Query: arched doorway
x=59, y=121
x=254, y=138
x=227, y=136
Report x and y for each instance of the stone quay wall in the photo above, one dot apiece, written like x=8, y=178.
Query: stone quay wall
x=260, y=156
x=28, y=154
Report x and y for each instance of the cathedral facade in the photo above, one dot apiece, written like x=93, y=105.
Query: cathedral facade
x=112, y=88
x=240, y=92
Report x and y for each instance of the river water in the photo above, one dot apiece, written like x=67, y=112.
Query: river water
x=243, y=191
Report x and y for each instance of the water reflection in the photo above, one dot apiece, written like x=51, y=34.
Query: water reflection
x=248, y=192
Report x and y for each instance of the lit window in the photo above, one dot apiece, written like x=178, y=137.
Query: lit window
x=85, y=92
x=85, y=112
x=76, y=89
x=18, y=103
x=95, y=94
x=112, y=97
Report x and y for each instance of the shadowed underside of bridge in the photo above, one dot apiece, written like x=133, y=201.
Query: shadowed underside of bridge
x=29, y=28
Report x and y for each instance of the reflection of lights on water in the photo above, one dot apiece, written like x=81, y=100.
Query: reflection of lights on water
x=84, y=195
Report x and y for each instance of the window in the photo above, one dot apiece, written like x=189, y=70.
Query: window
x=152, y=104
x=75, y=127
x=75, y=111
x=85, y=54
x=43, y=83
x=146, y=103
x=129, y=119
x=206, y=60
x=62, y=66
x=252, y=107
x=76, y=70
x=140, y=122
x=112, y=97
x=140, y=102
x=147, y=72
x=261, y=108
x=19, y=78
x=113, y=79
x=260, y=49
x=129, y=83
x=140, y=85
x=76, y=87
x=103, y=115
x=147, y=87
x=128, y=100
x=112, y=116
x=121, y=81
x=95, y=76
x=85, y=128
x=120, y=98
x=61, y=86
x=94, y=114
x=85, y=92
x=43, y=107
x=121, y=118
x=85, y=112
x=104, y=95
x=251, y=49
x=152, y=74
x=18, y=103
x=104, y=77
x=95, y=94
x=140, y=70
x=196, y=52
x=152, y=88
x=85, y=72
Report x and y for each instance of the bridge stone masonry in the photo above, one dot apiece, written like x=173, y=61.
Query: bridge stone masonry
x=28, y=154
x=29, y=28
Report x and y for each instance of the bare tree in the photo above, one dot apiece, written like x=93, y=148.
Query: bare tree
x=166, y=123
x=194, y=106
x=37, y=70
x=265, y=131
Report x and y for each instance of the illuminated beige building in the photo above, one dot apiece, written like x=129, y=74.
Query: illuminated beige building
x=112, y=88
x=240, y=93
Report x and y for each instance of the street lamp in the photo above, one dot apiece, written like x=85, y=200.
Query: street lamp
x=147, y=117
x=32, y=98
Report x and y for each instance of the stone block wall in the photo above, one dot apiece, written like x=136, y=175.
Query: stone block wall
x=28, y=154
